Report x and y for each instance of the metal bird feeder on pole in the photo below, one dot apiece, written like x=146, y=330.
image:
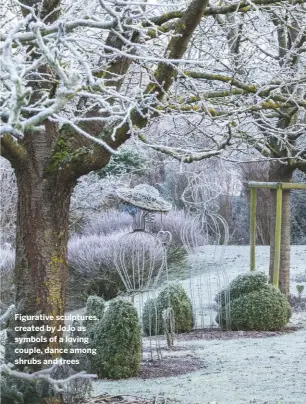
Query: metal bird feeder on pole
x=279, y=187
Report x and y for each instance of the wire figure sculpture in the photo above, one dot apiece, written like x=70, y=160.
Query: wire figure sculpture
x=142, y=256
x=140, y=260
x=204, y=235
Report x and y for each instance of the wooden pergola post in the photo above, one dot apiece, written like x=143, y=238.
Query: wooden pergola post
x=253, y=228
x=278, y=235
x=279, y=187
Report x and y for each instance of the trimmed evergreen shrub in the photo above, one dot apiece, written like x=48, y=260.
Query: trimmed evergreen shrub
x=95, y=306
x=266, y=309
x=241, y=285
x=21, y=391
x=117, y=339
x=175, y=296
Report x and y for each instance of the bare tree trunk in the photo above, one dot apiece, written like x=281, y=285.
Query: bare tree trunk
x=281, y=173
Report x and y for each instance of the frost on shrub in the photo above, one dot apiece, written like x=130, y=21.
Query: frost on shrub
x=181, y=304
x=20, y=391
x=242, y=285
x=91, y=268
x=91, y=256
x=252, y=304
x=95, y=306
x=173, y=296
x=109, y=222
x=8, y=202
x=41, y=390
x=173, y=221
x=7, y=263
x=117, y=339
x=76, y=390
x=93, y=194
x=151, y=318
x=266, y=309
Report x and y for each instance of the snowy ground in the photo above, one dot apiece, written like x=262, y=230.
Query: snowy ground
x=267, y=370
x=239, y=371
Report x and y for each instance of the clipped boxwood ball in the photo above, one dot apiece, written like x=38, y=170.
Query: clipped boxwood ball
x=266, y=309
x=242, y=285
x=175, y=296
x=117, y=339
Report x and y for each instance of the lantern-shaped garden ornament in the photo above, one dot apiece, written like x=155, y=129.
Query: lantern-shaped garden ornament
x=142, y=256
x=140, y=260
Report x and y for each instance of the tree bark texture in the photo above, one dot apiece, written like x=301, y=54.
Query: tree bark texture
x=41, y=240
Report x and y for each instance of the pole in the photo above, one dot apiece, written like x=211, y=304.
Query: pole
x=278, y=235
x=253, y=228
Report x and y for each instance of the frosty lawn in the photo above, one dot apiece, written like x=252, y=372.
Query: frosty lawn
x=238, y=371
x=268, y=370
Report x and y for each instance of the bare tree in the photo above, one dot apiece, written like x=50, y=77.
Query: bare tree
x=283, y=131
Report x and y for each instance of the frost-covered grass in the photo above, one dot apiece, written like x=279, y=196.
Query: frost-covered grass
x=243, y=371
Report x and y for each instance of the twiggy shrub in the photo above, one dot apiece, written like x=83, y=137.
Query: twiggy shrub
x=91, y=268
x=117, y=338
x=75, y=391
x=173, y=296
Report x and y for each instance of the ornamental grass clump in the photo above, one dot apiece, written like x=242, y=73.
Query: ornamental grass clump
x=117, y=339
x=173, y=296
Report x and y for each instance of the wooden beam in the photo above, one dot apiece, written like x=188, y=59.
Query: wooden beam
x=288, y=185
x=255, y=184
x=276, y=185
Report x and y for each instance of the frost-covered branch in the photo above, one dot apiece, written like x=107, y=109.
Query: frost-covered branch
x=109, y=69
x=57, y=384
